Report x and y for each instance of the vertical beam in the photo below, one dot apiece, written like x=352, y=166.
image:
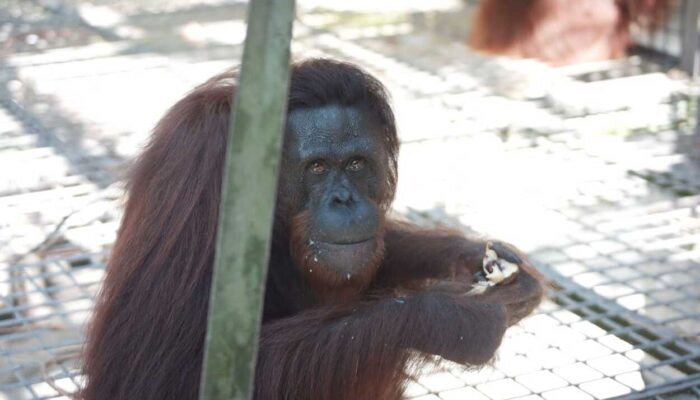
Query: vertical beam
x=689, y=45
x=690, y=60
x=248, y=199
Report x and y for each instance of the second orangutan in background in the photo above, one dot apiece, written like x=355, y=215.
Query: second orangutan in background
x=563, y=31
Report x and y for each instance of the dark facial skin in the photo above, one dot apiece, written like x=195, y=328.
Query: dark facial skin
x=335, y=171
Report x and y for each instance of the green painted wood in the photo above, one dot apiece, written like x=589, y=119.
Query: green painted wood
x=689, y=38
x=248, y=199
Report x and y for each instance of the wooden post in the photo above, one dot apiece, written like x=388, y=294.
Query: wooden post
x=689, y=40
x=690, y=61
x=248, y=199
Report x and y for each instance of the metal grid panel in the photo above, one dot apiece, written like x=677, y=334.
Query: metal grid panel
x=665, y=43
x=47, y=282
x=44, y=306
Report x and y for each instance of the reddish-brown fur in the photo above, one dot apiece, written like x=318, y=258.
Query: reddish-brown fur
x=327, y=284
x=145, y=341
x=563, y=31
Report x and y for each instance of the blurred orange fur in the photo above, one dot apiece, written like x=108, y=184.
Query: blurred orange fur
x=563, y=31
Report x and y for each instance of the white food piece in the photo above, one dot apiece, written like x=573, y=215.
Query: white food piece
x=500, y=271
x=479, y=288
x=489, y=254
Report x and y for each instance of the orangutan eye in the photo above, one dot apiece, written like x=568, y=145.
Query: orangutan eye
x=356, y=164
x=317, y=167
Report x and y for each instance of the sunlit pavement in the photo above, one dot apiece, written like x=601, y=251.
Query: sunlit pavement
x=585, y=168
